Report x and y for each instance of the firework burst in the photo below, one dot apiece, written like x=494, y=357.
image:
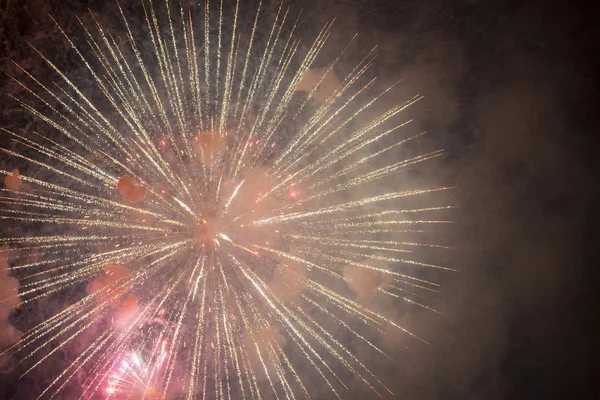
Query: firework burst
x=199, y=186
x=139, y=372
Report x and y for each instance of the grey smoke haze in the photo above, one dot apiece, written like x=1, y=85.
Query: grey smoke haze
x=504, y=88
x=507, y=88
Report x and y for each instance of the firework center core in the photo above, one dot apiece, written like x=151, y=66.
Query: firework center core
x=208, y=229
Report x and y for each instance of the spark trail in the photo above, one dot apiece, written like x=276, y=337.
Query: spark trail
x=198, y=193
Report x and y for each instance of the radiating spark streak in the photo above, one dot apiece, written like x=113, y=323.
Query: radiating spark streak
x=317, y=45
x=62, y=344
x=326, y=311
x=409, y=300
x=61, y=129
x=235, y=191
x=56, y=170
x=385, y=213
x=288, y=323
x=82, y=96
x=335, y=354
x=96, y=345
x=390, y=242
x=345, y=206
x=393, y=222
x=334, y=242
x=81, y=196
x=404, y=261
x=365, y=159
x=293, y=258
x=173, y=343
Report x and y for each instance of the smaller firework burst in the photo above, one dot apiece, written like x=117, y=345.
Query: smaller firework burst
x=136, y=374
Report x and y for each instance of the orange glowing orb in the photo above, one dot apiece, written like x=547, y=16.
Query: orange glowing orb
x=131, y=190
x=13, y=182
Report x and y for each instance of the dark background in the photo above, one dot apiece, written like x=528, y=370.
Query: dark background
x=509, y=94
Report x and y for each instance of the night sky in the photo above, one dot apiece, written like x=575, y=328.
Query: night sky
x=509, y=95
